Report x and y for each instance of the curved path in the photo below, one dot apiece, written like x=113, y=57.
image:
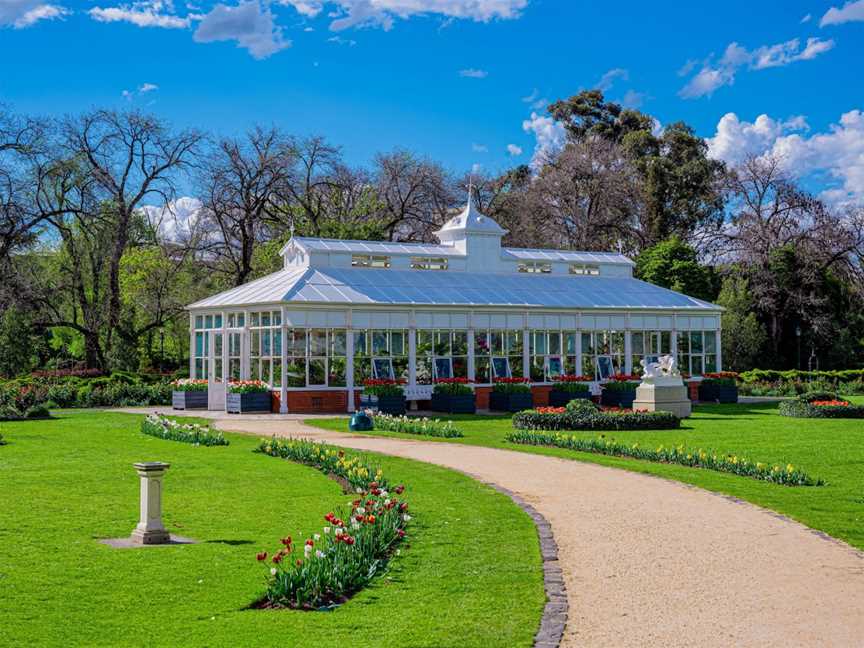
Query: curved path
x=652, y=562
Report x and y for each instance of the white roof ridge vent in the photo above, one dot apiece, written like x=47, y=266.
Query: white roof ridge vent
x=469, y=221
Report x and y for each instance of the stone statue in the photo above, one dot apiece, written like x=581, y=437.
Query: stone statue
x=665, y=367
x=662, y=388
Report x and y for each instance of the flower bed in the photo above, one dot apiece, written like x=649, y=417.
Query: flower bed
x=453, y=395
x=248, y=396
x=511, y=395
x=719, y=387
x=788, y=476
x=351, y=549
x=620, y=391
x=820, y=405
x=164, y=428
x=567, y=387
x=389, y=395
x=558, y=418
x=416, y=425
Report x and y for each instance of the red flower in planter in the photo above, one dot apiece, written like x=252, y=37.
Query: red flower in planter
x=261, y=555
x=453, y=381
x=570, y=378
x=511, y=381
x=624, y=377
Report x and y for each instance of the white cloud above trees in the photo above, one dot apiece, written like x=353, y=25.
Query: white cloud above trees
x=21, y=14
x=549, y=136
x=250, y=24
x=835, y=156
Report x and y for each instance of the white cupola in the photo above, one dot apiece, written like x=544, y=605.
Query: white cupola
x=475, y=235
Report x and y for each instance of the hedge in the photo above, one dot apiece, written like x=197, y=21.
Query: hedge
x=599, y=420
x=803, y=407
x=796, y=375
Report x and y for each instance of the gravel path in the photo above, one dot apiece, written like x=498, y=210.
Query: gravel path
x=652, y=562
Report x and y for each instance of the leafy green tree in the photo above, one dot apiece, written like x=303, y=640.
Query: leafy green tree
x=744, y=337
x=673, y=264
x=16, y=355
x=681, y=185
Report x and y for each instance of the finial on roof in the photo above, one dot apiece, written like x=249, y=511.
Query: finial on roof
x=292, y=228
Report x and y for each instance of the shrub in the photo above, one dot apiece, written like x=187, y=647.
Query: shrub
x=790, y=476
x=511, y=386
x=582, y=407
x=67, y=373
x=720, y=379
x=596, y=420
x=572, y=384
x=248, y=387
x=189, y=384
x=37, y=412
x=164, y=428
x=820, y=404
x=353, y=547
x=382, y=387
x=453, y=387
x=416, y=425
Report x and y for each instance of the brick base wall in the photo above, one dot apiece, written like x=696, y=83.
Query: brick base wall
x=693, y=390
x=314, y=402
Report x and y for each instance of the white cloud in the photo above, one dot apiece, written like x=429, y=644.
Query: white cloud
x=549, y=135
x=608, y=79
x=535, y=100
x=338, y=40
x=852, y=11
x=806, y=18
x=179, y=220
x=479, y=148
x=835, y=156
x=249, y=23
x=633, y=99
x=514, y=150
x=714, y=75
x=150, y=13
x=148, y=87
x=382, y=13
x=473, y=73
x=21, y=14
x=144, y=88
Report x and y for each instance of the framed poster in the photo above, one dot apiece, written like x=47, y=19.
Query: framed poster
x=604, y=367
x=382, y=368
x=553, y=367
x=443, y=368
x=500, y=367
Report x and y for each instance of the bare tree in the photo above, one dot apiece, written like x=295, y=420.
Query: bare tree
x=246, y=185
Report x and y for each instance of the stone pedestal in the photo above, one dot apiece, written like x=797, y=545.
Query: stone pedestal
x=150, y=529
x=665, y=393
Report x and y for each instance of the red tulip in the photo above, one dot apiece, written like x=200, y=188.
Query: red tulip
x=261, y=555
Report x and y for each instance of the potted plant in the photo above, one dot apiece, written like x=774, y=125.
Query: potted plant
x=454, y=396
x=188, y=393
x=569, y=387
x=247, y=396
x=511, y=395
x=720, y=387
x=389, y=395
x=620, y=390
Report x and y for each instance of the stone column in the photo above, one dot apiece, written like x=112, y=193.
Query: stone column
x=349, y=366
x=150, y=529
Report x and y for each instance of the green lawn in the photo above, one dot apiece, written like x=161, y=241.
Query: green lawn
x=830, y=449
x=471, y=575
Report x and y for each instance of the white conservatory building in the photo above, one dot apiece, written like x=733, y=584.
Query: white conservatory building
x=340, y=312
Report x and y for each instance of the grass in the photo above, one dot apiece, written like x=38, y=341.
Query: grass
x=831, y=449
x=471, y=570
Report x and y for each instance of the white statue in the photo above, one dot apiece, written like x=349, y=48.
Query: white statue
x=665, y=367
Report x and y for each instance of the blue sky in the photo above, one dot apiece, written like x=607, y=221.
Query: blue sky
x=457, y=80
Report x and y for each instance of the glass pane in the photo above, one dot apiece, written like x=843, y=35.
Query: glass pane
x=665, y=342
x=199, y=344
x=336, y=376
x=460, y=367
x=362, y=371
x=587, y=365
x=199, y=322
x=277, y=342
x=217, y=345
x=254, y=319
x=587, y=344
x=241, y=319
x=360, y=348
x=516, y=366
x=710, y=363
x=234, y=369
x=696, y=365
x=317, y=343
x=231, y=320
x=498, y=343
x=570, y=364
x=277, y=372
x=398, y=343
x=296, y=370
x=255, y=369
x=255, y=344
x=424, y=370
x=481, y=370
x=317, y=371
x=481, y=343
x=514, y=343
x=208, y=321
x=217, y=370
x=424, y=342
x=276, y=318
x=710, y=342
x=637, y=343
x=298, y=344
x=554, y=343
x=265, y=318
x=537, y=374
x=540, y=346
x=379, y=343
x=442, y=343
x=570, y=343
x=265, y=343
x=618, y=342
x=218, y=321
x=460, y=343
x=696, y=342
x=683, y=342
x=338, y=339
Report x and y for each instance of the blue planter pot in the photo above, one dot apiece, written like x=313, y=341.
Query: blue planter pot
x=184, y=400
x=360, y=422
x=622, y=399
x=454, y=404
x=245, y=403
x=510, y=402
x=561, y=398
x=718, y=393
